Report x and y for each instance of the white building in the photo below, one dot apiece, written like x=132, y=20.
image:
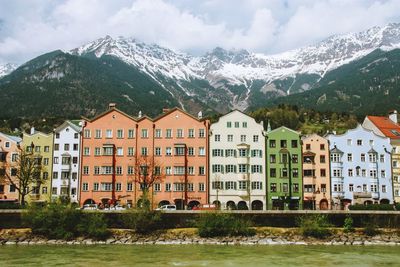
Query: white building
x=360, y=168
x=237, y=162
x=66, y=161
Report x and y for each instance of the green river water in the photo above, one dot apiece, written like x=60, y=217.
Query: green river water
x=200, y=255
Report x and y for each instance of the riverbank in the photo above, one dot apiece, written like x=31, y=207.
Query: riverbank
x=188, y=236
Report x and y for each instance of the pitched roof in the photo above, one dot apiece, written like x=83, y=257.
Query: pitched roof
x=13, y=138
x=386, y=126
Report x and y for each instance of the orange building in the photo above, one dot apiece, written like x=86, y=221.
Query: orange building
x=316, y=173
x=9, y=151
x=116, y=145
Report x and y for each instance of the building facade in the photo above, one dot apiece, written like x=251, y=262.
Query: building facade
x=284, y=169
x=316, y=173
x=237, y=163
x=9, y=151
x=66, y=157
x=360, y=168
x=388, y=127
x=41, y=145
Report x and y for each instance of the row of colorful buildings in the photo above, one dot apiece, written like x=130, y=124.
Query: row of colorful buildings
x=234, y=163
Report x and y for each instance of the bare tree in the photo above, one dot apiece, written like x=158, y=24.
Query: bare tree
x=24, y=174
x=148, y=172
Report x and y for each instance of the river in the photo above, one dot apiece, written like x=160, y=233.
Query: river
x=199, y=255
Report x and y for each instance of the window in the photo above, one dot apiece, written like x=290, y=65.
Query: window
x=202, y=133
x=295, y=173
x=230, y=168
x=120, y=133
x=97, y=133
x=217, y=138
x=242, y=168
x=95, y=186
x=322, y=159
x=217, y=168
x=383, y=173
x=272, y=187
x=130, y=170
x=236, y=124
x=243, y=152
x=54, y=190
x=169, y=133
x=294, y=143
x=86, y=151
x=76, y=135
x=255, y=138
x=218, y=152
x=46, y=161
x=244, y=124
x=230, y=137
x=109, y=133
x=272, y=158
x=362, y=157
x=168, y=187
x=202, y=187
x=14, y=157
x=323, y=188
x=283, y=143
x=37, y=148
x=75, y=148
x=349, y=142
x=335, y=157
x=66, y=160
x=202, y=151
x=322, y=172
x=168, y=170
x=272, y=172
x=350, y=172
x=382, y=158
x=46, y=148
x=131, y=133
x=202, y=170
x=179, y=187
x=256, y=185
x=106, y=186
x=285, y=187
x=57, y=135
x=217, y=185
x=359, y=142
x=363, y=173
x=372, y=173
x=242, y=138
x=383, y=188
x=145, y=133
x=157, y=187
x=179, y=170
x=74, y=176
x=372, y=157
x=191, y=170
x=144, y=151
x=158, y=151
x=230, y=153
x=106, y=170
x=295, y=158
x=97, y=151
x=12, y=188
x=120, y=151
x=118, y=187
x=272, y=143
x=179, y=133
x=256, y=153
x=308, y=146
x=55, y=160
x=131, y=151
x=349, y=157
x=129, y=187
x=55, y=175
x=118, y=170
x=168, y=151
x=228, y=124
x=85, y=187
x=295, y=188
x=158, y=133
x=243, y=185
x=364, y=188
x=191, y=151
x=337, y=173
x=191, y=133
x=179, y=151
x=256, y=169
x=230, y=185
x=373, y=188
x=371, y=142
x=322, y=147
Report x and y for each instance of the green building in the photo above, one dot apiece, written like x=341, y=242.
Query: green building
x=41, y=145
x=284, y=169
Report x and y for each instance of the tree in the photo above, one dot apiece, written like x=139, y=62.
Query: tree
x=24, y=174
x=148, y=172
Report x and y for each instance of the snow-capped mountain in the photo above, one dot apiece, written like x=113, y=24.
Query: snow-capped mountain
x=236, y=77
x=6, y=69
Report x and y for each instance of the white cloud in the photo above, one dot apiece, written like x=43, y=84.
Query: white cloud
x=30, y=28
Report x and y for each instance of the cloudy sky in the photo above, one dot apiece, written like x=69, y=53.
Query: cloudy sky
x=29, y=28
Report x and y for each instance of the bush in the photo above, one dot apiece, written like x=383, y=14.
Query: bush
x=142, y=221
x=56, y=221
x=10, y=205
x=314, y=226
x=371, y=207
x=217, y=224
x=348, y=225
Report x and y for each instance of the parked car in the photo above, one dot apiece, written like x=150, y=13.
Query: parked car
x=90, y=207
x=167, y=207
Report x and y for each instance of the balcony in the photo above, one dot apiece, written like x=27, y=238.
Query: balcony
x=362, y=195
x=66, y=167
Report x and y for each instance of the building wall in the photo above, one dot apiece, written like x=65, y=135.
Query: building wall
x=66, y=167
x=284, y=188
x=396, y=169
x=97, y=187
x=9, y=147
x=316, y=172
x=42, y=147
x=350, y=186
x=225, y=182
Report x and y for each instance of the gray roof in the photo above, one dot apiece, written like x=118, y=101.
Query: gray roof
x=13, y=138
x=336, y=150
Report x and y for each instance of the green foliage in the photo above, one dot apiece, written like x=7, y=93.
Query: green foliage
x=143, y=221
x=10, y=205
x=314, y=226
x=370, y=229
x=222, y=224
x=348, y=224
x=57, y=221
x=371, y=207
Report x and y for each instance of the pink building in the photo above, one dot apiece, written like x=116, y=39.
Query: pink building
x=116, y=145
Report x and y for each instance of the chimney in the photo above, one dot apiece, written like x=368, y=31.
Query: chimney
x=32, y=130
x=140, y=114
x=393, y=116
x=111, y=105
x=200, y=115
x=165, y=110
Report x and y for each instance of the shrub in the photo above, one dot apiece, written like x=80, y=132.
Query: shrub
x=370, y=226
x=314, y=226
x=57, y=221
x=217, y=224
x=371, y=207
x=348, y=225
x=142, y=221
x=10, y=205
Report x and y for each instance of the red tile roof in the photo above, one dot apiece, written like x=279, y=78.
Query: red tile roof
x=386, y=126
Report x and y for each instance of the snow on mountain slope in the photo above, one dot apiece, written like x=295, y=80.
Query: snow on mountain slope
x=6, y=69
x=224, y=69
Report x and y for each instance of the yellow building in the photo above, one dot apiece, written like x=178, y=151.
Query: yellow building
x=41, y=145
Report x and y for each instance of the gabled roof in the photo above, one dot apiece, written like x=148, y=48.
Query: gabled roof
x=386, y=126
x=74, y=124
x=336, y=150
x=284, y=127
x=372, y=151
x=109, y=111
x=15, y=139
x=176, y=109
